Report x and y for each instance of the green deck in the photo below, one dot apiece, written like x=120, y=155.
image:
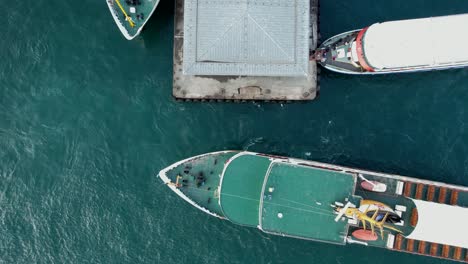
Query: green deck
x=143, y=10
x=204, y=193
x=303, y=196
x=241, y=188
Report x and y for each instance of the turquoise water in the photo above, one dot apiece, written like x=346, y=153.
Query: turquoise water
x=87, y=120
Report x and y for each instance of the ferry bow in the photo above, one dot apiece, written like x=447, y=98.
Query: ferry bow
x=131, y=15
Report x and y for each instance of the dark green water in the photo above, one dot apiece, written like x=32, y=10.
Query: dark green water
x=87, y=120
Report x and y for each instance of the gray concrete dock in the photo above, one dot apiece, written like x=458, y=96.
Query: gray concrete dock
x=242, y=87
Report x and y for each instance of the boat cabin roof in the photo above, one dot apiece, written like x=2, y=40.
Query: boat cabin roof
x=424, y=42
x=285, y=198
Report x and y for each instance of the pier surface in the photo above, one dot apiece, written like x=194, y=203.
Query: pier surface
x=190, y=87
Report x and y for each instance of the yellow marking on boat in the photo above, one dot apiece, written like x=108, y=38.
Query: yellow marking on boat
x=354, y=213
x=176, y=184
x=127, y=17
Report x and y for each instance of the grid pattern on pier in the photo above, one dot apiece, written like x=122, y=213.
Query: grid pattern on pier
x=246, y=37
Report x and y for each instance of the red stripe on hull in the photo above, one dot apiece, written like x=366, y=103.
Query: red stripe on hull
x=360, y=51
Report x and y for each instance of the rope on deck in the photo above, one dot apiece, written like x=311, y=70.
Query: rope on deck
x=127, y=17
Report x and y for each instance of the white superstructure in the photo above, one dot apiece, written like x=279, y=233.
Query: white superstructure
x=441, y=223
x=427, y=42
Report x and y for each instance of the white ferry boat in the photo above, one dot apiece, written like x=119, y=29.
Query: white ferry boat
x=435, y=43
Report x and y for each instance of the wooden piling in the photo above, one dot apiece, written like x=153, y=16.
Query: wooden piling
x=414, y=217
x=434, y=248
x=442, y=195
x=445, y=251
x=410, y=245
x=407, y=191
x=454, y=197
x=419, y=190
x=398, y=242
x=457, y=253
x=422, y=247
x=430, y=193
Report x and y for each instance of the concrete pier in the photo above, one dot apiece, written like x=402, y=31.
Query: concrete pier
x=258, y=88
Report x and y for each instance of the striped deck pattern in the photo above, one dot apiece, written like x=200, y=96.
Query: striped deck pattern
x=431, y=193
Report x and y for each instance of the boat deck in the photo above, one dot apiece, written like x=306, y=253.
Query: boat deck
x=337, y=53
x=199, y=179
x=241, y=188
x=138, y=10
x=297, y=202
x=284, y=198
x=391, y=198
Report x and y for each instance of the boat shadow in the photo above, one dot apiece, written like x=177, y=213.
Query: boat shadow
x=160, y=27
